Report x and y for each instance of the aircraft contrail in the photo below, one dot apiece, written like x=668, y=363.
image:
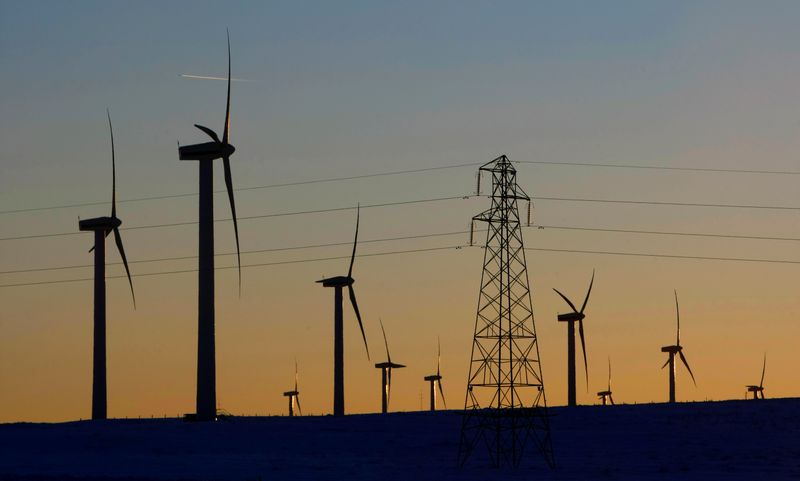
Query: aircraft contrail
x=206, y=77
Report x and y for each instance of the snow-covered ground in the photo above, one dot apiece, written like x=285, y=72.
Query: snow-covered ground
x=719, y=440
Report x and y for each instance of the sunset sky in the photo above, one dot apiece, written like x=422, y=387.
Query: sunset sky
x=343, y=89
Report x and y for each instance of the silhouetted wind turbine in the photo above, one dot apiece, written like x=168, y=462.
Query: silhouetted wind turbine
x=436, y=379
x=294, y=395
x=338, y=283
x=206, y=153
x=386, y=374
x=606, y=395
x=102, y=227
x=759, y=390
x=676, y=349
x=572, y=318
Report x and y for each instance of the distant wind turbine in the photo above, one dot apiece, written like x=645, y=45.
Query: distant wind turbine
x=102, y=227
x=206, y=153
x=294, y=395
x=386, y=374
x=338, y=283
x=676, y=349
x=759, y=390
x=436, y=379
x=572, y=318
x=606, y=395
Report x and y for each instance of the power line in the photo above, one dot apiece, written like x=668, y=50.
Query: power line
x=411, y=251
x=264, y=264
x=680, y=204
x=258, y=251
x=403, y=172
x=661, y=167
x=240, y=189
x=666, y=256
x=419, y=201
x=655, y=232
x=419, y=236
x=251, y=217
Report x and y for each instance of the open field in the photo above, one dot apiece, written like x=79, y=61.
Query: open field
x=713, y=440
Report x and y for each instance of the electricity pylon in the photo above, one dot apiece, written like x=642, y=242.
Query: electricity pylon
x=505, y=406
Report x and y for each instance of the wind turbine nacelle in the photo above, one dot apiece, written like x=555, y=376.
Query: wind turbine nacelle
x=291, y=393
x=604, y=393
x=434, y=377
x=754, y=388
x=571, y=317
x=671, y=349
x=205, y=151
x=338, y=281
x=99, y=223
x=387, y=364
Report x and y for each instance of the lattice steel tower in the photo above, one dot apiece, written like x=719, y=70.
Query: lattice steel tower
x=505, y=406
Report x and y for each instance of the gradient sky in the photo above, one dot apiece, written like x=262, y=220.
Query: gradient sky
x=350, y=88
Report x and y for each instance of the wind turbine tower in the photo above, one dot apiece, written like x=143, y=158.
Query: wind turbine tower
x=338, y=283
x=205, y=154
x=676, y=349
x=386, y=374
x=571, y=318
x=505, y=406
x=102, y=227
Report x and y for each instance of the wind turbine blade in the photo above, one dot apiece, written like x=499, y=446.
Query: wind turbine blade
x=665, y=364
x=611, y=398
x=385, y=342
x=297, y=400
x=685, y=363
x=113, y=170
x=678, y=314
x=609, y=373
x=583, y=347
x=355, y=242
x=763, y=371
x=226, y=132
x=358, y=316
x=208, y=132
x=438, y=356
x=295, y=374
x=591, y=283
x=226, y=164
x=441, y=391
x=565, y=298
x=118, y=240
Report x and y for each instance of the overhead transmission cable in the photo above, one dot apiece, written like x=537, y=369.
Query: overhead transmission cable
x=412, y=251
x=409, y=171
x=420, y=201
x=418, y=236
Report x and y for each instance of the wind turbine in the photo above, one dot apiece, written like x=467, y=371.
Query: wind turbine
x=102, y=227
x=205, y=154
x=386, y=374
x=759, y=390
x=294, y=395
x=676, y=349
x=436, y=379
x=338, y=283
x=606, y=395
x=572, y=318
